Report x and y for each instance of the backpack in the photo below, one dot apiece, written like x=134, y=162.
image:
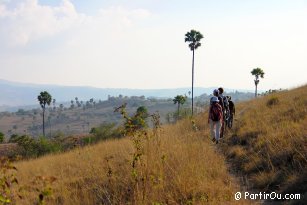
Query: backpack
x=221, y=102
x=216, y=113
x=225, y=102
x=231, y=107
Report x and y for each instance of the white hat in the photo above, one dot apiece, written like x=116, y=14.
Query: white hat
x=214, y=99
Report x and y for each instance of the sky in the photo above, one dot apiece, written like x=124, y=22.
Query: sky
x=140, y=43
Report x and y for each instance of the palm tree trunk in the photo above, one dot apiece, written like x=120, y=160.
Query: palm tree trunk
x=50, y=126
x=178, y=109
x=193, y=83
x=256, y=85
x=44, y=122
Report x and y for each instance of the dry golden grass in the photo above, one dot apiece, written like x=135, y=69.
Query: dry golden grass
x=179, y=166
x=271, y=132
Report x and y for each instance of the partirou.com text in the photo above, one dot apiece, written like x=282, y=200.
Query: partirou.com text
x=266, y=196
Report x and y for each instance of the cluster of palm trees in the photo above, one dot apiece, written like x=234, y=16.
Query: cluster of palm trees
x=45, y=100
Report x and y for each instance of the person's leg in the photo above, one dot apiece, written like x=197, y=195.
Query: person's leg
x=230, y=120
x=218, y=126
x=222, y=128
x=212, y=131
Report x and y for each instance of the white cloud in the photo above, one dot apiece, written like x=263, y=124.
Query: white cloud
x=81, y=44
x=30, y=21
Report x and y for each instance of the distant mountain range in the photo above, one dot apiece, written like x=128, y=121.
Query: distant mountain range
x=14, y=94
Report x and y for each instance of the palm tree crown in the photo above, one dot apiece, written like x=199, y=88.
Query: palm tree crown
x=257, y=72
x=44, y=98
x=179, y=99
x=194, y=38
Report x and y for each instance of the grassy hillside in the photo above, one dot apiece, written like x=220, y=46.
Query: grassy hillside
x=178, y=165
x=269, y=143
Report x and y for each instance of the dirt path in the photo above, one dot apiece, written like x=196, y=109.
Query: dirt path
x=234, y=171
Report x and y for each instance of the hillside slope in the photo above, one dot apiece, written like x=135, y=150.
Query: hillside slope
x=178, y=165
x=269, y=143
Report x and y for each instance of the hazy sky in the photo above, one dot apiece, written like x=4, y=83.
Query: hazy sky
x=140, y=43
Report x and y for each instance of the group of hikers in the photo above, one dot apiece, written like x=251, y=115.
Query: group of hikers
x=221, y=112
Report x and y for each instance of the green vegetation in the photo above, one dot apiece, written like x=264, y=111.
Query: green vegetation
x=103, y=132
x=193, y=38
x=1, y=137
x=135, y=122
x=30, y=147
x=83, y=117
x=180, y=100
x=134, y=127
x=273, y=101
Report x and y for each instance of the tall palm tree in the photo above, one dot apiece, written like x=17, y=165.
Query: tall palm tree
x=44, y=99
x=257, y=72
x=180, y=100
x=193, y=38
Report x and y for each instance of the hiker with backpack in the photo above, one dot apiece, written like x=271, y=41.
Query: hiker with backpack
x=216, y=94
x=215, y=118
x=225, y=100
x=232, y=108
x=225, y=109
x=232, y=111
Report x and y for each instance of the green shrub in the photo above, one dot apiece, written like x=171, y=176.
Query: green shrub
x=183, y=114
x=13, y=138
x=103, y=132
x=30, y=147
x=272, y=101
x=45, y=146
x=1, y=137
